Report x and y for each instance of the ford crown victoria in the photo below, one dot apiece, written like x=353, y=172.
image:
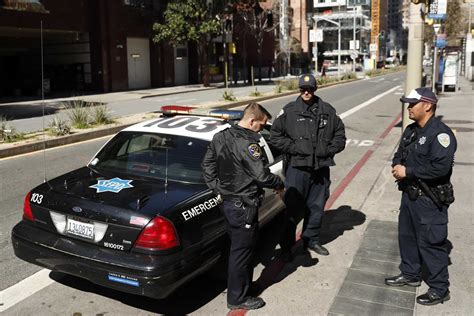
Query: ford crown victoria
x=139, y=217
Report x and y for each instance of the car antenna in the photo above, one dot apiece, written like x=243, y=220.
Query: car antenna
x=42, y=101
x=166, y=172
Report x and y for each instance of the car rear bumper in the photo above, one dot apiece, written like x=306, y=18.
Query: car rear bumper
x=154, y=276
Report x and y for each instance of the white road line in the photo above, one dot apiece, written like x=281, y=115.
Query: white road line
x=32, y=284
x=363, y=105
x=23, y=289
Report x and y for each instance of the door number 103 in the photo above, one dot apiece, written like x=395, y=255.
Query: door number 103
x=37, y=198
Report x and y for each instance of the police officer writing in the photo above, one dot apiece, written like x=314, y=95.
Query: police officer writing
x=234, y=166
x=310, y=133
x=422, y=166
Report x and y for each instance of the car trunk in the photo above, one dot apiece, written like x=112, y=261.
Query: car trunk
x=95, y=208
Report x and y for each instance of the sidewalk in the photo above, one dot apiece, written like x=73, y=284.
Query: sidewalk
x=363, y=290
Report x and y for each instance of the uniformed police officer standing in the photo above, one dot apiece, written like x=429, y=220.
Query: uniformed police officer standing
x=310, y=133
x=235, y=167
x=422, y=166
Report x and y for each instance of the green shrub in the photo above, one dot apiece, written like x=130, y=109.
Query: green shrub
x=101, y=115
x=279, y=88
x=59, y=127
x=78, y=113
x=228, y=95
x=255, y=93
x=348, y=76
x=8, y=133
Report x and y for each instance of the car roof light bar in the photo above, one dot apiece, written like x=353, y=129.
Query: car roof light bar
x=189, y=110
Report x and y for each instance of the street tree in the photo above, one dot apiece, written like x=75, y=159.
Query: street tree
x=455, y=21
x=257, y=21
x=189, y=21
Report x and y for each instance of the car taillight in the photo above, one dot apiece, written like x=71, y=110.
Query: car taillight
x=27, y=213
x=159, y=234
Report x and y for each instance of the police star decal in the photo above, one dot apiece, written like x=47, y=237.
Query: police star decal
x=255, y=151
x=444, y=140
x=114, y=185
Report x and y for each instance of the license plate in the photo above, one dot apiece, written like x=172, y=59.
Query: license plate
x=81, y=229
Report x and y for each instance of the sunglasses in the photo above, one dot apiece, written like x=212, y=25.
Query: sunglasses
x=309, y=90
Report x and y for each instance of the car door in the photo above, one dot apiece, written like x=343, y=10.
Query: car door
x=272, y=204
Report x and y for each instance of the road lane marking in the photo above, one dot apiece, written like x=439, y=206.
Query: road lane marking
x=366, y=103
x=25, y=288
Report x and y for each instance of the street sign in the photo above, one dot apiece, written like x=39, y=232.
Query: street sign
x=440, y=43
x=373, y=47
x=316, y=35
x=354, y=55
x=351, y=44
x=353, y=3
x=438, y=9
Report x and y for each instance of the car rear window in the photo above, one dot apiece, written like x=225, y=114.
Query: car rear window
x=156, y=156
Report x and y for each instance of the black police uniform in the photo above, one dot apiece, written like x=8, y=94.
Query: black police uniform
x=235, y=167
x=428, y=155
x=310, y=136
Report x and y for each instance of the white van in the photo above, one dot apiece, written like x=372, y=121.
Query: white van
x=451, y=71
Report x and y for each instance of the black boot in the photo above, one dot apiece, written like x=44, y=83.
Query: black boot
x=249, y=303
x=318, y=248
x=401, y=280
x=432, y=298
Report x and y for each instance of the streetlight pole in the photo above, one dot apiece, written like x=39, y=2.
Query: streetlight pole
x=318, y=18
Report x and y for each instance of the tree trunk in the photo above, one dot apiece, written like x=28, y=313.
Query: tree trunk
x=204, y=65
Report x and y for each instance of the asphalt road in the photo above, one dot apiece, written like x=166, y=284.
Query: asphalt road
x=364, y=118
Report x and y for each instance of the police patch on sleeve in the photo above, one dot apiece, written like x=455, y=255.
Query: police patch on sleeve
x=255, y=151
x=444, y=140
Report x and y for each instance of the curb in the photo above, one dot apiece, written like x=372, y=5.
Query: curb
x=69, y=139
x=60, y=141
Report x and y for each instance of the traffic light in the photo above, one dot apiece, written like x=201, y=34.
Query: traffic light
x=382, y=35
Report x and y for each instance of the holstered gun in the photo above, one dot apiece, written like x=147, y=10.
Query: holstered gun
x=427, y=191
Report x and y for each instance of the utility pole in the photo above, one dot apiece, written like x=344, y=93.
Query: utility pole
x=414, y=58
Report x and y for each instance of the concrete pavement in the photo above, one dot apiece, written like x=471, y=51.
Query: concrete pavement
x=351, y=280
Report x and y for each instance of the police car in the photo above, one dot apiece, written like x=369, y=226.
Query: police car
x=139, y=217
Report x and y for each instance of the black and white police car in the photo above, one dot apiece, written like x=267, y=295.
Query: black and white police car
x=139, y=217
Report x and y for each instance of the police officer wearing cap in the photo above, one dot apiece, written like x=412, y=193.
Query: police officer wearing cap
x=234, y=167
x=422, y=166
x=310, y=133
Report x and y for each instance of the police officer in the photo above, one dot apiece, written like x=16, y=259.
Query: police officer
x=309, y=132
x=235, y=168
x=422, y=166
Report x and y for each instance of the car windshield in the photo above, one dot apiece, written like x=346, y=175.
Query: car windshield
x=156, y=156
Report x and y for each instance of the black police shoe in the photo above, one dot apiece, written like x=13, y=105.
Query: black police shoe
x=249, y=303
x=401, y=280
x=431, y=298
x=318, y=248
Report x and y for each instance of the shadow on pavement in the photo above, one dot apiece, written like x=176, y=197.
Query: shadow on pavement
x=337, y=221
x=16, y=112
x=187, y=299
x=199, y=291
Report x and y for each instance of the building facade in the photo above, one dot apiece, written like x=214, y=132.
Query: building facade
x=87, y=46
